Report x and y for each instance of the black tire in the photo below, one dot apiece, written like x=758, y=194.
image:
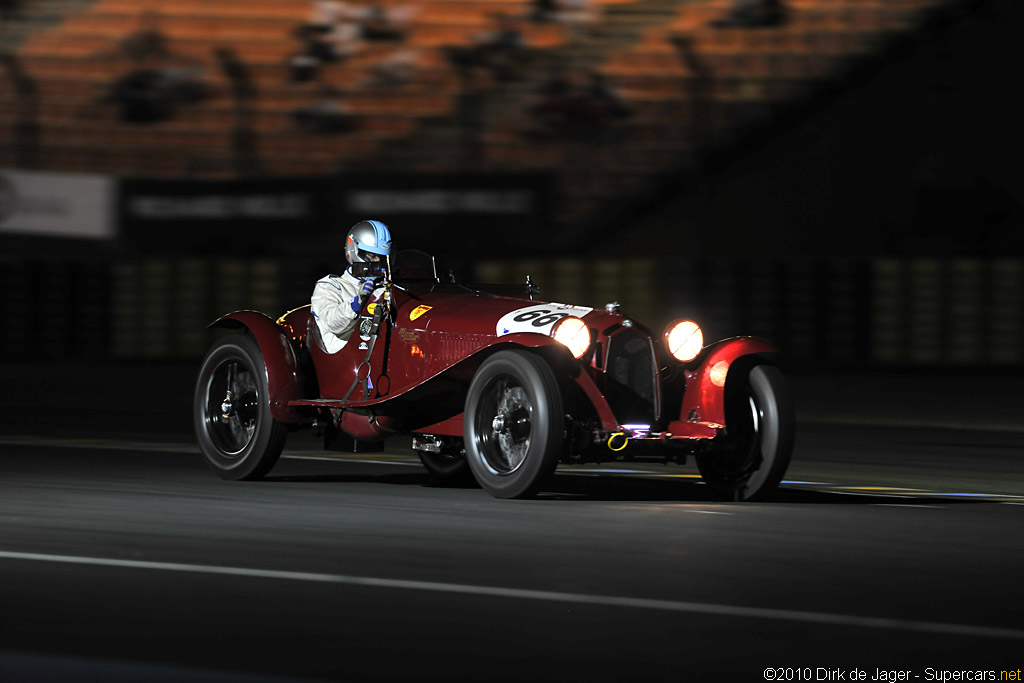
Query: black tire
x=448, y=470
x=513, y=424
x=238, y=436
x=755, y=450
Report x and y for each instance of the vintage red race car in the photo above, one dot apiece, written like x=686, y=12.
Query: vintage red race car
x=495, y=385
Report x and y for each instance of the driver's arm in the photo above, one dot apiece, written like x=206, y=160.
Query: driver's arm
x=332, y=304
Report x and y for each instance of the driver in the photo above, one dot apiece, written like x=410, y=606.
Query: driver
x=338, y=299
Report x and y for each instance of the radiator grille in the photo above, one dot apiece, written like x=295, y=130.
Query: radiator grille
x=632, y=389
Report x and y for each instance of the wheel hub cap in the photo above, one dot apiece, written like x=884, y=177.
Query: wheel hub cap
x=232, y=421
x=227, y=409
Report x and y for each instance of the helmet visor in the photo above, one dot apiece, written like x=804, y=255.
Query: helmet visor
x=368, y=256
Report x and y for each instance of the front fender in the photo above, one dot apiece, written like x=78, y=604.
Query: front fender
x=284, y=380
x=704, y=400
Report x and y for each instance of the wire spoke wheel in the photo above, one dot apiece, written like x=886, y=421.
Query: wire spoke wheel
x=513, y=424
x=237, y=434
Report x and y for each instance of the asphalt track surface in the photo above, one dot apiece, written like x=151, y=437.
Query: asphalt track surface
x=893, y=545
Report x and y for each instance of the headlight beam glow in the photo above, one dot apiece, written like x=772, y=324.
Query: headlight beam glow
x=684, y=339
x=574, y=334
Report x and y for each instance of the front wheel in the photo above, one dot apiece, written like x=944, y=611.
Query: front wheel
x=237, y=435
x=755, y=450
x=513, y=424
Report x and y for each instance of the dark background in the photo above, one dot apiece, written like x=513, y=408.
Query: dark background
x=869, y=222
x=874, y=221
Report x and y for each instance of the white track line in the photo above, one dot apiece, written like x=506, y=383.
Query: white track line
x=548, y=596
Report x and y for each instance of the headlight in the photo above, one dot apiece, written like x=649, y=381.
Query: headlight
x=574, y=334
x=684, y=340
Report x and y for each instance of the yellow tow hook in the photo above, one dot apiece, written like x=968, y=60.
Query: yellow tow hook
x=611, y=439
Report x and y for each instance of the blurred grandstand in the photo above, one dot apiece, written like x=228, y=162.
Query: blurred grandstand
x=814, y=181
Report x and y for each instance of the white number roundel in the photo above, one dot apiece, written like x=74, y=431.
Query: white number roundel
x=537, y=318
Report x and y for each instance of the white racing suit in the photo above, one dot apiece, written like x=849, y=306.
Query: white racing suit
x=332, y=307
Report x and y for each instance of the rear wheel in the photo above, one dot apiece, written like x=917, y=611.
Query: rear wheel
x=754, y=453
x=237, y=435
x=513, y=424
x=450, y=470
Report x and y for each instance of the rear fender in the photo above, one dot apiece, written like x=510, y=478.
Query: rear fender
x=704, y=400
x=284, y=381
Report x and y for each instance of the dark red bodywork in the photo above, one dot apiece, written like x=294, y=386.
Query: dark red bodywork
x=424, y=358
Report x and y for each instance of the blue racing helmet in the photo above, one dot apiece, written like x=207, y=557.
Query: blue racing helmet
x=367, y=237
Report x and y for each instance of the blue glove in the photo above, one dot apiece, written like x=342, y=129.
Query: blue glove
x=364, y=291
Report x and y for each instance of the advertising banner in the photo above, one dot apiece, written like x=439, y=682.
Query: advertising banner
x=453, y=213
x=223, y=216
x=43, y=204
x=309, y=215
